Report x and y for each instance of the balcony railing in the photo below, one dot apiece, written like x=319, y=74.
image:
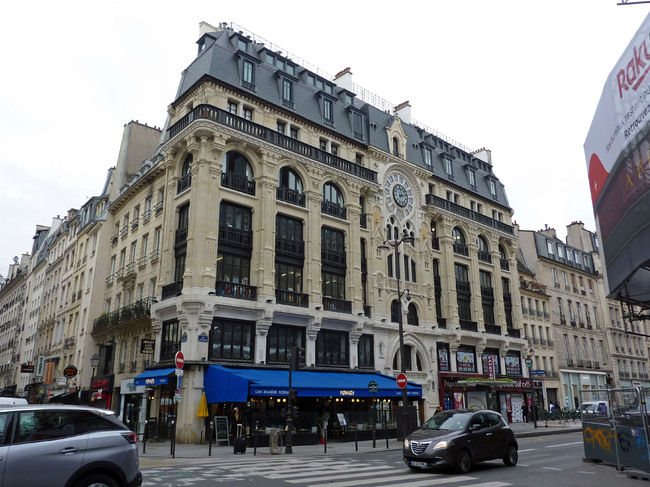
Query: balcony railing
x=236, y=290
x=291, y=298
x=467, y=325
x=338, y=305
x=332, y=256
x=439, y=202
x=290, y=247
x=172, y=290
x=484, y=256
x=183, y=183
x=504, y=264
x=513, y=332
x=492, y=329
x=292, y=196
x=461, y=249
x=260, y=132
x=435, y=243
x=235, y=236
x=333, y=209
x=238, y=182
x=139, y=309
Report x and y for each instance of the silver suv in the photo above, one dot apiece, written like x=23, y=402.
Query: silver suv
x=66, y=446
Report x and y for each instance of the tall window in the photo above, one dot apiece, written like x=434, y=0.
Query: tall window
x=463, y=293
x=460, y=247
x=332, y=348
x=333, y=285
x=280, y=340
x=366, y=352
x=170, y=340
x=248, y=74
x=287, y=92
x=332, y=199
x=237, y=173
x=328, y=111
x=233, y=268
x=412, y=315
x=290, y=187
x=288, y=277
x=232, y=340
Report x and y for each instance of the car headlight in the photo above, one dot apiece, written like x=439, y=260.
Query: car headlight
x=443, y=444
x=406, y=443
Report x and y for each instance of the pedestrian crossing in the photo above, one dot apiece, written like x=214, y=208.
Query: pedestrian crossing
x=303, y=472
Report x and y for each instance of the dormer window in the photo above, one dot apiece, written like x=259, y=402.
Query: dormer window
x=428, y=158
x=471, y=174
x=395, y=146
x=449, y=168
x=493, y=188
x=242, y=45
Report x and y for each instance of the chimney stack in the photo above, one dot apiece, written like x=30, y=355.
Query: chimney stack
x=403, y=111
x=344, y=79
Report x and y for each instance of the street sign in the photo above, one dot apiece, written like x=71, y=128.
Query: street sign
x=179, y=360
x=537, y=372
x=529, y=362
x=401, y=381
x=70, y=371
x=179, y=372
x=372, y=387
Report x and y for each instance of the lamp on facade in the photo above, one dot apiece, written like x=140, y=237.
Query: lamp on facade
x=387, y=245
x=94, y=362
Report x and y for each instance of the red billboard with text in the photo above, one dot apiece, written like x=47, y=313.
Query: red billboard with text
x=617, y=151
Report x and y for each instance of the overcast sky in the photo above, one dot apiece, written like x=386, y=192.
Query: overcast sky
x=519, y=78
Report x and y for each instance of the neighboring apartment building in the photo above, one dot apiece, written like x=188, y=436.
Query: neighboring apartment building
x=576, y=304
x=627, y=339
x=277, y=187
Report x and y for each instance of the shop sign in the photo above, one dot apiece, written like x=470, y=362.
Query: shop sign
x=184, y=337
x=346, y=393
x=40, y=366
x=49, y=372
x=127, y=386
x=147, y=346
x=26, y=368
x=62, y=381
x=100, y=383
x=490, y=366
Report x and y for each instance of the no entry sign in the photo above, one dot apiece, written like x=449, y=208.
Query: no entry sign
x=401, y=381
x=180, y=360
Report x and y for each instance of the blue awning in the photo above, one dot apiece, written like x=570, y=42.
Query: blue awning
x=153, y=377
x=236, y=385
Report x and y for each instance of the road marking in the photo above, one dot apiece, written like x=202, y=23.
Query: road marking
x=332, y=470
x=552, y=468
x=565, y=444
x=528, y=449
x=489, y=484
x=406, y=479
x=588, y=473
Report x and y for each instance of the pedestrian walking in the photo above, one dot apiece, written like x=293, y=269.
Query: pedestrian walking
x=524, y=412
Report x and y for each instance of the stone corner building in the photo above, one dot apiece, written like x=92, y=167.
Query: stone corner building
x=257, y=225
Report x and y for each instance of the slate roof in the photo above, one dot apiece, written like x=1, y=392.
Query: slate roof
x=220, y=58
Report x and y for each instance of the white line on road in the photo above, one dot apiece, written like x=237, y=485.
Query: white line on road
x=588, y=473
x=403, y=479
x=528, y=449
x=348, y=469
x=488, y=484
x=565, y=444
x=552, y=468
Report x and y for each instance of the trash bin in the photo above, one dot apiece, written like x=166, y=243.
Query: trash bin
x=274, y=441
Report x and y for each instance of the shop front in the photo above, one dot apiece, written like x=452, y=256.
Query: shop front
x=132, y=405
x=336, y=404
x=504, y=395
x=101, y=392
x=158, y=397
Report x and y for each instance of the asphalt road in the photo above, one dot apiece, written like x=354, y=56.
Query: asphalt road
x=545, y=461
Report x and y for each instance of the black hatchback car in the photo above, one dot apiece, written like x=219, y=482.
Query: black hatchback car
x=458, y=438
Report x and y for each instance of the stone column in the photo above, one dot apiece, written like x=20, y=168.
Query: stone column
x=312, y=271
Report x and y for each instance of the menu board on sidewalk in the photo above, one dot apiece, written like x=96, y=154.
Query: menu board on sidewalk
x=221, y=428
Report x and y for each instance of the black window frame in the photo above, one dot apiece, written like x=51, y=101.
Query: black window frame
x=333, y=348
x=223, y=329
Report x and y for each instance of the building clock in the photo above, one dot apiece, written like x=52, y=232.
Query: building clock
x=398, y=195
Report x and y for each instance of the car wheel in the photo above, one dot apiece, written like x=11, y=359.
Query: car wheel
x=511, y=456
x=96, y=480
x=463, y=462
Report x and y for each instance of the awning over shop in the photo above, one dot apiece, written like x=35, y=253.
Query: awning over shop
x=236, y=385
x=153, y=377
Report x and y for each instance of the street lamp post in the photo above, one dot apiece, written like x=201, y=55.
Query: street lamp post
x=94, y=362
x=386, y=246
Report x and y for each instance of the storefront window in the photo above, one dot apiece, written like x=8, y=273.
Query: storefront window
x=513, y=364
x=466, y=359
x=443, y=357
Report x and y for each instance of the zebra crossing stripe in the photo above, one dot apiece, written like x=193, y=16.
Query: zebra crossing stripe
x=349, y=469
x=406, y=479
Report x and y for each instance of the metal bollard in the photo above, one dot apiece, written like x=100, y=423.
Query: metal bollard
x=356, y=443
x=144, y=437
x=374, y=436
x=210, y=440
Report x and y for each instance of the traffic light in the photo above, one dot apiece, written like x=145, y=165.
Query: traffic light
x=294, y=412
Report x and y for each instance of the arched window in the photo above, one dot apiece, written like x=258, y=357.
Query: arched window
x=409, y=353
x=412, y=315
x=460, y=247
x=395, y=311
x=290, y=187
x=237, y=173
x=435, y=241
x=483, y=249
x=185, y=180
x=395, y=146
x=503, y=257
x=333, y=203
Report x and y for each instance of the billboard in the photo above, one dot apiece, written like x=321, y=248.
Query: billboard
x=617, y=151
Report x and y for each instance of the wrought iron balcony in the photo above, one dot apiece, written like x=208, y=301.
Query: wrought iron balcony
x=238, y=182
x=467, y=325
x=337, y=305
x=236, y=290
x=172, y=290
x=333, y=257
x=292, y=196
x=492, y=329
x=125, y=316
x=461, y=249
x=291, y=298
x=513, y=332
x=333, y=209
x=290, y=247
x=484, y=256
x=261, y=132
x=183, y=183
x=235, y=236
x=457, y=209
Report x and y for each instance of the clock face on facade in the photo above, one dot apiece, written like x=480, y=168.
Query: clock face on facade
x=398, y=195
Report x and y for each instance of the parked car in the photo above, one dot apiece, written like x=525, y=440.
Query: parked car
x=459, y=438
x=66, y=446
x=595, y=408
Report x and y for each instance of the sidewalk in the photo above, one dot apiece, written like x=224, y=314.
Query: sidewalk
x=156, y=451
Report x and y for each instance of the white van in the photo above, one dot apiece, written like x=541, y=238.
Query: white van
x=10, y=401
x=595, y=408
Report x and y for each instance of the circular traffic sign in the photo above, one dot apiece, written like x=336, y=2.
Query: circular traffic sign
x=70, y=371
x=401, y=381
x=179, y=359
x=372, y=387
x=529, y=362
